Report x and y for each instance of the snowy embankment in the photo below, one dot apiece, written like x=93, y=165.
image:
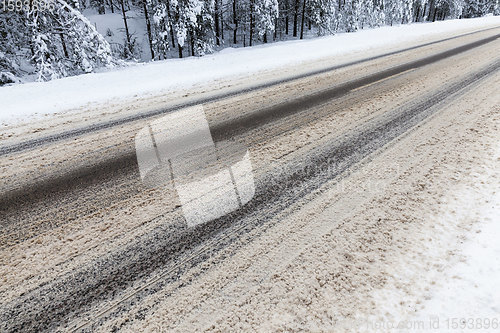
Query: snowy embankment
x=468, y=290
x=27, y=100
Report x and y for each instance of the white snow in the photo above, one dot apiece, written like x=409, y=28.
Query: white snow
x=26, y=101
x=458, y=292
x=114, y=24
x=470, y=290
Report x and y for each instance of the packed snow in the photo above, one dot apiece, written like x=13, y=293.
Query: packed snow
x=467, y=296
x=27, y=101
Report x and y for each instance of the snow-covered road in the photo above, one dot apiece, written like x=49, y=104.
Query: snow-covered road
x=351, y=222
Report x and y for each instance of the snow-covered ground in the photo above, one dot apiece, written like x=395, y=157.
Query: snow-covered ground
x=448, y=279
x=111, y=27
x=20, y=102
x=468, y=296
x=463, y=296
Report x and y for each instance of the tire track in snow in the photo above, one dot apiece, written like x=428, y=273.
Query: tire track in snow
x=159, y=252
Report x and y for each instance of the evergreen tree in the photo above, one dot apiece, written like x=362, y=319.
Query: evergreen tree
x=455, y=8
x=14, y=40
x=160, y=29
x=352, y=11
x=266, y=13
x=478, y=8
x=57, y=42
x=323, y=15
x=193, y=19
x=62, y=42
x=394, y=11
x=407, y=11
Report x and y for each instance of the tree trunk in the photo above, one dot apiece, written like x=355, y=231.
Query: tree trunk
x=303, y=18
x=221, y=15
x=235, y=22
x=295, y=17
x=63, y=42
x=287, y=15
x=191, y=38
x=216, y=22
x=148, y=27
x=251, y=21
x=126, y=26
x=180, y=50
x=111, y=6
x=275, y=29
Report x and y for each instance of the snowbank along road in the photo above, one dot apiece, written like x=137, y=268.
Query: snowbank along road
x=87, y=246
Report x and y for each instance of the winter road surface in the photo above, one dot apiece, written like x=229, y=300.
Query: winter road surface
x=348, y=161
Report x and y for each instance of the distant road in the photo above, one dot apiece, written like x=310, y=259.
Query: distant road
x=32, y=143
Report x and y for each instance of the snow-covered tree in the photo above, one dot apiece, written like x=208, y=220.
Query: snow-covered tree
x=393, y=10
x=352, y=11
x=56, y=42
x=477, y=8
x=8, y=70
x=420, y=8
x=194, y=24
x=323, y=14
x=61, y=41
x=204, y=34
x=407, y=11
x=14, y=42
x=371, y=15
x=65, y=43
x=160, y=28
x=266, y=13
x=100, y=5
x=455, y=8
